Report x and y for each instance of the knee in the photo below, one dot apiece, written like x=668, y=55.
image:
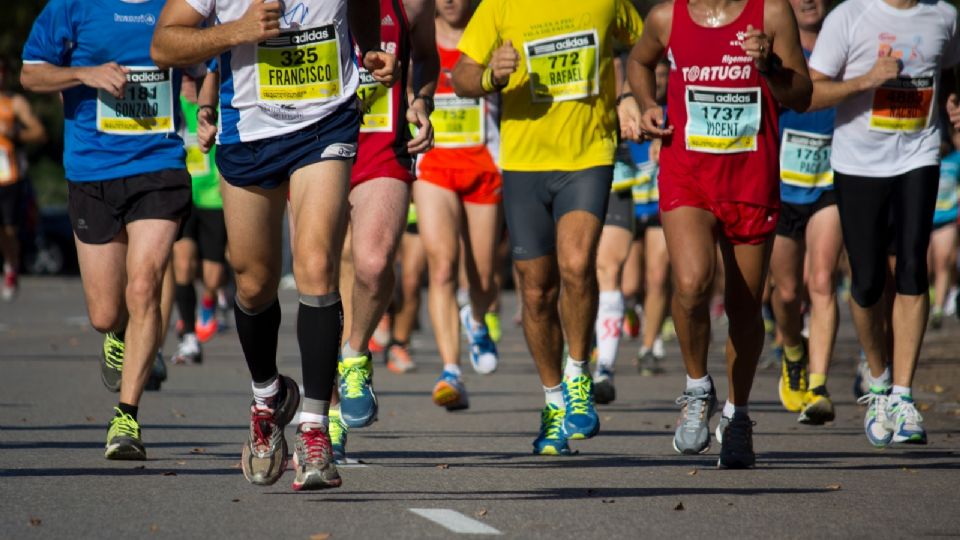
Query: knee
x=143, y=291
x=787, y=291
x=539, y=298
x=372, y=268
x=256, y=285
x=315, y=271
x=912, y=277
x=692, y=290
x=820, y=284
x=442, y=271
x=104, y=319
x=576, y=270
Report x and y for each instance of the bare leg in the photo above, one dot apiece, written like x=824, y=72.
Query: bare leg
x=824, y=245
x=578, y=235
x=657, y=286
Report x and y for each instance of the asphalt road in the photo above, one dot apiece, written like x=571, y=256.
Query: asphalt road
x=426, y=473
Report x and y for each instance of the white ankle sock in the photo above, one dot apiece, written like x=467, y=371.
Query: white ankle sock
x=554, y=395
x=312, y=418
x=573, y=368
x=703, y=382
x=263, y=392
x=729, y=409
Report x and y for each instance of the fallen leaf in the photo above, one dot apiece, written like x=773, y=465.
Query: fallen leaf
x=234, y=500
x=181, y=462
x=905, y=469
x=443, y=466
x=923, y=406
x=140, y=467
x=199, y=451
x=482, y=512
x=729, y=504
x=320, y=536
x=169, y=473
x=154, y=527
x=937, y=389
x=692, y=473
x=833, y=487
x=607, y=418
x=177, y=413
x=91, y=419
x=35, y=522
x=679, y=506
x=667, y=426
x=608, y=501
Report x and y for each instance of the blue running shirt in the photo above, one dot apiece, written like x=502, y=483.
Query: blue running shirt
x=105, y=137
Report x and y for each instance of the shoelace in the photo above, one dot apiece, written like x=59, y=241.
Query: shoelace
x=125, y=425
x=794, y=374
x=113, y=351
x=316, y=443
x=552, y=421
x=355, y=378
x=907, y=411
x=263, y=426
x=738, y=433
x=578, y=394
x=336, y=430
x=694, y=407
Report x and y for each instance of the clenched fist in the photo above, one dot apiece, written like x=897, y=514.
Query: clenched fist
x=504, y=62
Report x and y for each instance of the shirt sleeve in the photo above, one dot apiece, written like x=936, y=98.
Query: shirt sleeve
x=628, y=25
x=53, y=34
x=951, y=53
x=203, y=7
x=482, y=34
x=830, y=53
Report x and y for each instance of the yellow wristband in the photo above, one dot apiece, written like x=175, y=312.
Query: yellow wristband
x=486, y=81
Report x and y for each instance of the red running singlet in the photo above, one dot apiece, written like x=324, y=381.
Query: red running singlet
x=382, y=146
x=724, y=148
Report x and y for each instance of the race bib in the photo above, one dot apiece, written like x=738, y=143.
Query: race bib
x=563, y=68
x=902, y=105
x=146, y=107
x=457, y=122
x=377, y=102
x=198, y=163
x=805, y=159
x=722, y=120
x=300, y=66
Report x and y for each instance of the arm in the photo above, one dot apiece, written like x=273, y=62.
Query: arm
x=32, y=131
x=42, y=77
x=468, y=75
x=208, y=98
x=628, y=112
x=364, y=19
x=642, y=64
x=179, y=42
x=778, y=56
x=425, y=65
x=828, y=92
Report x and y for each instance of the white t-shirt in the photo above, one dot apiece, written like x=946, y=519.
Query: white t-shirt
x=895, y=128
x=284, y=84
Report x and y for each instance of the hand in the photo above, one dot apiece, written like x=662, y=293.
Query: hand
x=757, y=46
x=887, y=67
x=206, y=129
x=111, y=77
x=652, y=124
x=261, y=21
x=504, y=62
x=417, y=115
x=628, y=113
x=383, y=66
x=953, y=110
x=655, y=147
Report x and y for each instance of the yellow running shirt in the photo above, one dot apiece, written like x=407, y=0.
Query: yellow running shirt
x=559, y=108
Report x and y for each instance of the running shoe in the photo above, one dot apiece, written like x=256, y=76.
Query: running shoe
x=483, y=351
x=381, y=335
x=769, y=323
x=206, y=326
x=649, y=364
x=111, y=361
x=398, y=358
x=736, y=446
x=338, y=436
x=793, y=382
x=492, y=319
x=313, y=459
x=773, y=358
x=264, y=455
x=580, y=417
x=9, y=290
x=603, y=390
x=904, y=421
x=551, y=441
x=875, y=423
x=158, y=373
x=692, y=435
x=358, y=402
x=450, y=392
x=817, y=407
x=631, y=324
x=188, y=351
x=861, y=382
x=668, y=331
x=936, y=319
x=123, y=439
x=223, y=309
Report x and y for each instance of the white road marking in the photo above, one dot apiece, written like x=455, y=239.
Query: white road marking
x=455, y=521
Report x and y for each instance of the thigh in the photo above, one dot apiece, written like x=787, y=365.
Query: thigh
x=526, y=207
x=914, y=200
x=103, y=272
x=691, y=237
x=745, y=273
x=655, y=254
x=438, y=220
x=786, y=262
x=865, y=213
x=824, y=241
x=377, y=218
x=484, y=223
x=211, y=235
x=614, y=246
x=149, y=243
x=253, y=218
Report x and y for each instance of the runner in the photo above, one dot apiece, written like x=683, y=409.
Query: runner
x=18, y=126
x=380, y=191
x=128, y=188
x=460, y=183
x=205, y=234
x=718, y=185
x=943, y=239
x=807, y=246
x=879, y=63
x=413, y=263
x=554, y=68
x=289, y=122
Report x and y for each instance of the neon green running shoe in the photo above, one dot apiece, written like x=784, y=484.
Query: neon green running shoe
x=551, y=441
x=493, y=326
x=111, y=361
x=358, y=402
x=338, y=436
x=123, y=439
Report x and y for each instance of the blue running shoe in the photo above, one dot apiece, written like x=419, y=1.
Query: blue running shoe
x=358, y=402
x=551, y=441
x=450, y=392
x=905, y=421
x=338, y=436
x=483, y=350
x=875, y=422
x=580, y=418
